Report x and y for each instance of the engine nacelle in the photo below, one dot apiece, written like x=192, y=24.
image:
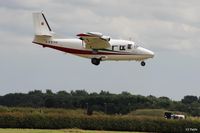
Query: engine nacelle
x=107, y=38
x=95, y=34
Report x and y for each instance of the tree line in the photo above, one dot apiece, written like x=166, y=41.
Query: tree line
x=103, y=101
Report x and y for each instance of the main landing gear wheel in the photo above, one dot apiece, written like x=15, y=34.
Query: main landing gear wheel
x=95, y=61
x=143, y=63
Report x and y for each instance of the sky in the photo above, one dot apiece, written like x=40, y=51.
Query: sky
x=169, y=28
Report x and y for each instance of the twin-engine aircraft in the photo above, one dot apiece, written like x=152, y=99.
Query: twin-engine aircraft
x=92, y=45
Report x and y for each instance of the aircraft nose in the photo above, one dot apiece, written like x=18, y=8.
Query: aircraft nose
x=150, y=53
x=147, y=52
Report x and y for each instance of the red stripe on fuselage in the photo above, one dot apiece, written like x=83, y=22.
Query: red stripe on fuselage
x=79, y=51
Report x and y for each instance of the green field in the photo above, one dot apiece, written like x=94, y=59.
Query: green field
x=56, y=131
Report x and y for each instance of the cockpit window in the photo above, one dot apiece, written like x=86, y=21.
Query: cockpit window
x=129, y=46
x=135, y=46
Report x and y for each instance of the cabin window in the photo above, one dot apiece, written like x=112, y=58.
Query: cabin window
x=122, y=47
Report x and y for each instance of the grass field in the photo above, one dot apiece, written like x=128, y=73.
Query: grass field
x=56, y=131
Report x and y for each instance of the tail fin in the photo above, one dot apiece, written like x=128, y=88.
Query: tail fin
x=41, y=25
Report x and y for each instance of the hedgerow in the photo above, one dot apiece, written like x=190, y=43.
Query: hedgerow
x=59, y=119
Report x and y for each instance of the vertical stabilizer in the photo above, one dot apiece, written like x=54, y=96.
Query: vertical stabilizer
x=41, y=25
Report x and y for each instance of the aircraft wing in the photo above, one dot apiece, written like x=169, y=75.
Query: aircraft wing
x=95, y=40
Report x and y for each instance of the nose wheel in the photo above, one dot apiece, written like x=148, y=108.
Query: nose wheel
x=143, y=63
x=95, y=61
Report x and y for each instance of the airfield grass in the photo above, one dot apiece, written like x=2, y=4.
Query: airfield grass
x=57, y=131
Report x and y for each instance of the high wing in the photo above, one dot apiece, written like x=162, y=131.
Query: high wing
x=95, y=40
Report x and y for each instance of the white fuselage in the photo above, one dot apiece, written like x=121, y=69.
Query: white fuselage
x=119, y=49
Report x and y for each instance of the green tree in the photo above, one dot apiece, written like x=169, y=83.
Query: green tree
x=49, y=92
x=79, y=93
x=189, y=99
x=63, y=93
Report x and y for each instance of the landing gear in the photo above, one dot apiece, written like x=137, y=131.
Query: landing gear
x=95, y=61
x=143, y=63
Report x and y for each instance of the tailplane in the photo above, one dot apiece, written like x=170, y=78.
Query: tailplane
x=41, y=25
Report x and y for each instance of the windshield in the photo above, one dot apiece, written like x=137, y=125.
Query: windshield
x=136, y=46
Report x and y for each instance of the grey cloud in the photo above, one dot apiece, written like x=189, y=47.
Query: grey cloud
x=169, y=28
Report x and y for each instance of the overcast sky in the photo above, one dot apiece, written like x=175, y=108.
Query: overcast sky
x=170, y=28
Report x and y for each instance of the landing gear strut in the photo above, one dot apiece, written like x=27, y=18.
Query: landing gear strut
x=95, y=61
x=143, y=63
